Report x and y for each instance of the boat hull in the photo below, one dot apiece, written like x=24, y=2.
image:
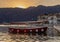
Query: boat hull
x=34, y=31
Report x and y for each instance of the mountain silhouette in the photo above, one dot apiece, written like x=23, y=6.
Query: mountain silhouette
x=29, y=14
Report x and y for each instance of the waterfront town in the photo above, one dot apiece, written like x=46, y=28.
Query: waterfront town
x=45, y=29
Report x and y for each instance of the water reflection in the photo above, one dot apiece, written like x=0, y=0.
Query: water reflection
x=6, y=37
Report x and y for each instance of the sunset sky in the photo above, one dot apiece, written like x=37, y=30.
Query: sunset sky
x=27, y=3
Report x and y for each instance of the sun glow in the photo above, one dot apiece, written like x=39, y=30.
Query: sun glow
x=21, y=7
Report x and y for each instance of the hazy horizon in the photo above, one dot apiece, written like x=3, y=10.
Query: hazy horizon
x=30, y=6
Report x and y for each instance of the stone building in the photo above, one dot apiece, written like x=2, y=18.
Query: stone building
x=51, y=21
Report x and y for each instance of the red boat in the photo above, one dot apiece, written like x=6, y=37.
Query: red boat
x=28, y=28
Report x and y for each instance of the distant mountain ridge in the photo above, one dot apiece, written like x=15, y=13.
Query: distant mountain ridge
x=29, y=14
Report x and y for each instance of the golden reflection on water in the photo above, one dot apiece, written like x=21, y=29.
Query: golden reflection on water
x=6, y=37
